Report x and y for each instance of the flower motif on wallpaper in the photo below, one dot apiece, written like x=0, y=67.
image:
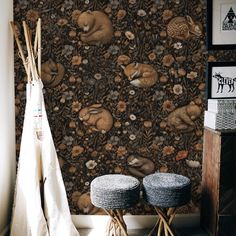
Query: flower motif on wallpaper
x=76, y=60
x=32, y=15
x=168, y=105
x=76, y=106
x=141, y=13
x=167, y=14
x=178, y=45
x=192, y=75
x=123, y=60
x=168, y=150
x=91, y=164
x=121, y=106
x=178, y=89
x=121, y=14
x=77, y=150
x=97, y=27
x=121, y=151
x=62, y=22
x=168, y=60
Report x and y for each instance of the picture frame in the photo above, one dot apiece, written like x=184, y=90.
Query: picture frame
x=221, y=24
x=221, y=82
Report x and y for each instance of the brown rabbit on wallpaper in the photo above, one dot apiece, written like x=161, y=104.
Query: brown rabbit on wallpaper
x=97, y=27
x=96, y=117
x=183, y=28
x=141, y=75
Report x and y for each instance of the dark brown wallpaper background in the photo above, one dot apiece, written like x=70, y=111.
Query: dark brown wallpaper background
x=134, y=130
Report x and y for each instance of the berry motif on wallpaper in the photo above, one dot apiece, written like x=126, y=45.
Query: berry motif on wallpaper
x=182, y=119
x=97, y=27
x=183, y=28
x=52, y=73
x=96, y=118
x=141, y=75
x=140, y=166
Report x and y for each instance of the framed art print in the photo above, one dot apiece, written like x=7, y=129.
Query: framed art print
x=221, y=81
x=221, y=24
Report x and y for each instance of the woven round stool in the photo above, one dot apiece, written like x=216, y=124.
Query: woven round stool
x=114, y=193
x=166, y=192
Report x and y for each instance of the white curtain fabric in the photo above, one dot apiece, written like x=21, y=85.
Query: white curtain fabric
x=40, y=204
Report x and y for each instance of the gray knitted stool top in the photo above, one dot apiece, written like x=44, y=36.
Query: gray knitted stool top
x=115, y=191
x=166, y=189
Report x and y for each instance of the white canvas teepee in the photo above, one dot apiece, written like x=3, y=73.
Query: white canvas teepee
x=40, y=204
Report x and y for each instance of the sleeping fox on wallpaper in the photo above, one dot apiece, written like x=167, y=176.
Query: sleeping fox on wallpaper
x=52, y=73
x=97, y=27
x=141, y=75
x=86, y=207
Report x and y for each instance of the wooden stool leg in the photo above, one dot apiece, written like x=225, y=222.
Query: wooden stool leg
x=159, y=228
x=165, y=219
x=116, y=225
x=171, y=214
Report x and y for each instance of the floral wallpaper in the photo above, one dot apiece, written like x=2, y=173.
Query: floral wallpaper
x=124, y=86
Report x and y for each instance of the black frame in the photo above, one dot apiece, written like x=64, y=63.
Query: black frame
x=211, y=65
x=211, y=46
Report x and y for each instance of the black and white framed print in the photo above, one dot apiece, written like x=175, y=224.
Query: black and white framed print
x=221, y=81
x=221, y=24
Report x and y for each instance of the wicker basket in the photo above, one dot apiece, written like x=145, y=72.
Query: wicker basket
x=220, y=121
x=222, y=105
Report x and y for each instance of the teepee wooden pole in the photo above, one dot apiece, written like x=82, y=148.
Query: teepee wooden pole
x=30, y=51
x=36, y=41
x=19, y=45
x=39, y=46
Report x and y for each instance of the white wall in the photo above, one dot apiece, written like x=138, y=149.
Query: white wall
x=7, y=115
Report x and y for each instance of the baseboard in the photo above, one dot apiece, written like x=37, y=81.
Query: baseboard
x=99, y=222
x=134, y=221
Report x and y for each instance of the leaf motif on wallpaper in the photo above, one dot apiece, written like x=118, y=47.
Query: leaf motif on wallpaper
x=52, y=73
x=182, y=119
x=183, y=28
x=97, y=27
x=148, y=137
x=96, y=118
x=140, y=166
x=141, y=75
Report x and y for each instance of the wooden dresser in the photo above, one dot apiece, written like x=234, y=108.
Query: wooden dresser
x=218, y=208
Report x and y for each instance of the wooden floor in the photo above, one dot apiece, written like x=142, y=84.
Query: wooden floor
x=179, y=232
